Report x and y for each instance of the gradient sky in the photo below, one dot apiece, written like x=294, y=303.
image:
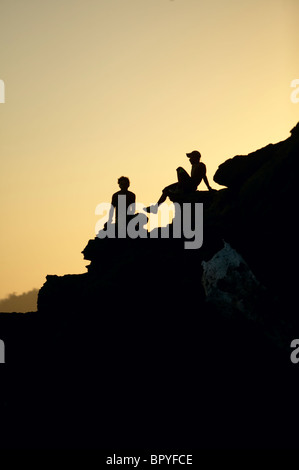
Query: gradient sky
x=96, y=89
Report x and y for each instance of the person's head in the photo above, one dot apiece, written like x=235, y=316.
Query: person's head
x=123, y=182
x=194, y=156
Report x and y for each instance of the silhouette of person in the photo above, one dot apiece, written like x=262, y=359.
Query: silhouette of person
x=130, y=199
x=186, y=183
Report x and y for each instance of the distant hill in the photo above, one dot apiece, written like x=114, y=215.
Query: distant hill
x=21, y=303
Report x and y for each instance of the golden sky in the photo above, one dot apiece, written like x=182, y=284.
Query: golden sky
x=97, y=89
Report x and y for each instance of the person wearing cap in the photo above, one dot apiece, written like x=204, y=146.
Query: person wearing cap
x=186, y=183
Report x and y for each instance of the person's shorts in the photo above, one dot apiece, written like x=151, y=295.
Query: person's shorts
x=186, y=186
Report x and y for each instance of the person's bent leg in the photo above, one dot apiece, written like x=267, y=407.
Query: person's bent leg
x=163, y=197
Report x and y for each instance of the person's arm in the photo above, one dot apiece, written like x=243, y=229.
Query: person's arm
x=111, y=212
x=109, y=221
x=132, y=204
x=205, y=178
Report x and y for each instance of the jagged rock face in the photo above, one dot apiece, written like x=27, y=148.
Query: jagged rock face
x=130, y=345
x=265, y=166
x=229, y=283
x=256, y=213
x=234, y=172
x=295, y=130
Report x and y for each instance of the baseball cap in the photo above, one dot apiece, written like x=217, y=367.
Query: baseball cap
x=195, y=153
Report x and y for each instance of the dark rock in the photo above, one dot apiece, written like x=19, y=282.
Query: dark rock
x=131, y=354
x=234, y=172
x=230, y=285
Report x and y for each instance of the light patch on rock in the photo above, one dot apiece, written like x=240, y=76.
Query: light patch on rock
x=229, y=284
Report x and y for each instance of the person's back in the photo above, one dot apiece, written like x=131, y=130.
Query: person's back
x=129, y=201
x=198, y=172
x=128, y=197
x=186, y=183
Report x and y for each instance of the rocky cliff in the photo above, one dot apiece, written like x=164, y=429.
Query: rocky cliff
x=157, y=345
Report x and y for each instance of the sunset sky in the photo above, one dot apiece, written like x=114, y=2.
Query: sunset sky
x=97, y=89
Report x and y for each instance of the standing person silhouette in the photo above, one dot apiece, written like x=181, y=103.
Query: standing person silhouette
x=186, y=183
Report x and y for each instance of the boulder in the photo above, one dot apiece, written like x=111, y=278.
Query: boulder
x=230, y=285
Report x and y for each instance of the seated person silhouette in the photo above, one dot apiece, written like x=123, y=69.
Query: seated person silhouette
x=128, y=207
x=127, y=223
x=186, y=183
